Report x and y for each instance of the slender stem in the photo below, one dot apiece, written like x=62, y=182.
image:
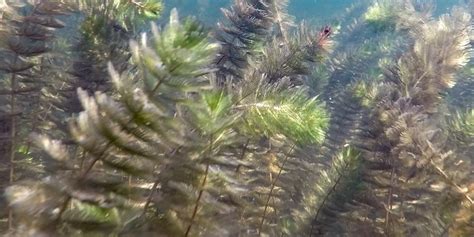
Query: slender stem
x=81, y=178
x=12, y=136
x=148, y=200
x=201, y=191
x=83, y=158
x=271, y=191
x=42, y=114
x=13, y=131
x=89, y=168
x=450, y=181
x=138, y=4
x=242, y=155
x=156, y=86
x=129, y=187
x=155, y=184
x=389, y=201
x=63, y=208
x=326, y=197
x=279, y=23
x=196, y=206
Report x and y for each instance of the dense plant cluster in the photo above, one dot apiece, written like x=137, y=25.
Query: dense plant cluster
x=259, y=127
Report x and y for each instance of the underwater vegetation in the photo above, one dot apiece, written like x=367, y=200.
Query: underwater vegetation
x=114, y=125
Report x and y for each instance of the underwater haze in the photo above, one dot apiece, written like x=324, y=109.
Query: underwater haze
x=209, y=10
x=237, y=118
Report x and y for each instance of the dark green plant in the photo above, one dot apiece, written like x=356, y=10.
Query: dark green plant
x=337, y=189
x=104, y=36
x=27, y=30
x=129, y=15
x=176, y=135
x=249, y=24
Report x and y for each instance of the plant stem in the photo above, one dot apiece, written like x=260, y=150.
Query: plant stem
x=450, y=181
x=330, y=192
x=201, y=191
x=12, y=136
x=242, y=155
x=389, y=202
x=271, y=191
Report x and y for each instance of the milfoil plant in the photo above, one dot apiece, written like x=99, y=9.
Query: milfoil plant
x=191, y=148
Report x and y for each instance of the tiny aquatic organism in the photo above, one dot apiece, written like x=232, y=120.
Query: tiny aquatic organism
x=323, y=40
x=324, y=33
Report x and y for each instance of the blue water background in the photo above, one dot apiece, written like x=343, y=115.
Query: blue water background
x=208, y=11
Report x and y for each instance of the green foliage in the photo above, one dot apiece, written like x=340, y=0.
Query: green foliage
x=110, y=139
x=150, y=9
x=105, y=20
x=288, y=113
x=182, y=51
x=335, y=188
x=124, y=13
x=402, y=15
x=381, y=15
x=167, y=125
x=210, y=114
x=365, y=92
x=401, y=147
x=461, y=126
x=103, y=34
x=294, y=57
x=89, y=217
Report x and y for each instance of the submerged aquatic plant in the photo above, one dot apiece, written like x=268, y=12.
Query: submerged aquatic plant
x=381, y=14
x=176, y=136
x=26, y=34
x=186, y=132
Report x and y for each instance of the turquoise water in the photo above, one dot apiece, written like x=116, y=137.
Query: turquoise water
x=209, y=10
